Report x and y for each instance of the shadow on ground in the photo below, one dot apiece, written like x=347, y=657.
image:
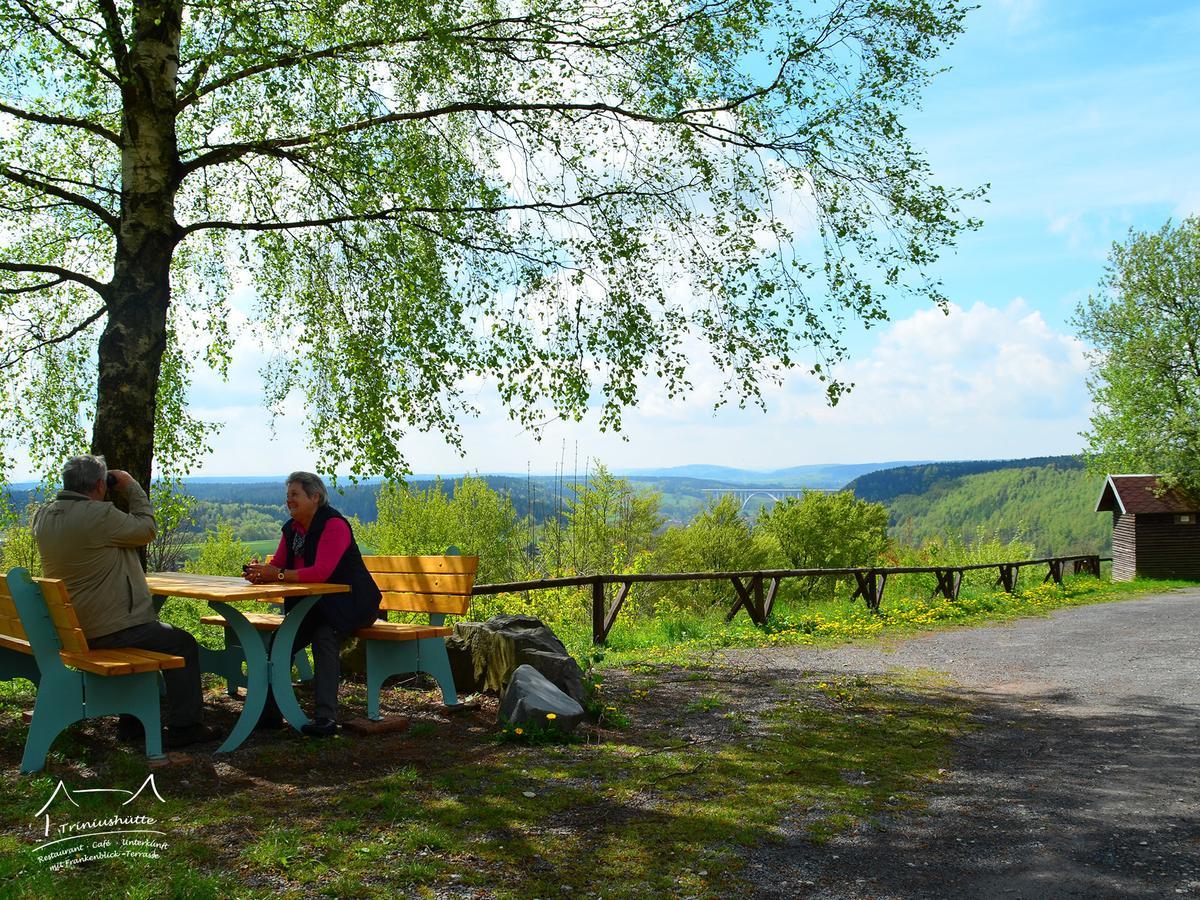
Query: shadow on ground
x=1045, y=798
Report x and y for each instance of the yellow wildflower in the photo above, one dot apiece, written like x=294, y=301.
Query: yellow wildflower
x=551, y=716
x=518, y=731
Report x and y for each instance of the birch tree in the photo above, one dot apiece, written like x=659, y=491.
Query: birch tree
x=559, y=198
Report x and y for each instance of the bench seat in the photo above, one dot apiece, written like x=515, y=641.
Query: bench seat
x=402, y=631
x=123, y=661
x=261, y=621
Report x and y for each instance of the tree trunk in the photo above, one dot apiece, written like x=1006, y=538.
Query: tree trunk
x=135, y=337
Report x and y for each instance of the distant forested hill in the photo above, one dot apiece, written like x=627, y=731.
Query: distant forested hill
x=1050, y=505
x=884, y=485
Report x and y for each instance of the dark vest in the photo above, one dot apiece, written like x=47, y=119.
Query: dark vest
x=345, y=612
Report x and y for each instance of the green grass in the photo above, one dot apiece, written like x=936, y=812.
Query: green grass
x=690, y=636
x=645, y=812
x=688, y=770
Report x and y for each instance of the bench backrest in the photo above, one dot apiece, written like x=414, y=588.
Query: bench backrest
x=44, y=616
x=428, y=584
x=10, y=619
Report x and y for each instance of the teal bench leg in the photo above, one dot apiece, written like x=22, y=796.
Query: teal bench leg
x=134, y=695
x=385, y=659
x=67, y=697
x=59, y=704
x=388, y=658
x=435, y=661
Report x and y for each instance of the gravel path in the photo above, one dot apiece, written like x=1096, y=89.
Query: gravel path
x=1083, y=779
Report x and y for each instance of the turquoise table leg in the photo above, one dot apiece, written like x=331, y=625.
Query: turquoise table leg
x=258, y=675
x=281, y=663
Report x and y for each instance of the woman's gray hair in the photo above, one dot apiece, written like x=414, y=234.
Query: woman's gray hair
x=311, y=484
x=81, y=473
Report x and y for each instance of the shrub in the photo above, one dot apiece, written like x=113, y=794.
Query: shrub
x=826, y=531
x=472, y=517
x=220, y=554
x=718, y=539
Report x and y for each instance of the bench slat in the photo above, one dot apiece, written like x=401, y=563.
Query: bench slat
x=62, y=614
x=10, y=620
x=261, y=621
x=15, y=643
x=121, y=662
x=10, y=626
x=426, y=603
x=433, y=565
x=399, y=631
x=419, y=583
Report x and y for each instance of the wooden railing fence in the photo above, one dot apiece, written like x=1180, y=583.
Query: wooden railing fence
x=755, y=591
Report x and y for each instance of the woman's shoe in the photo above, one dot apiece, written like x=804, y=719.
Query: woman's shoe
x=320, y=728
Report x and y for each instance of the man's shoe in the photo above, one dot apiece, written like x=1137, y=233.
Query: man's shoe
x=186, y=735
x=320, y=728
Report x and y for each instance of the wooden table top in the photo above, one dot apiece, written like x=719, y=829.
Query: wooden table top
x=226, y=588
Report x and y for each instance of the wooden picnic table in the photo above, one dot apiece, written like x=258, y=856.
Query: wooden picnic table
x=268, y=662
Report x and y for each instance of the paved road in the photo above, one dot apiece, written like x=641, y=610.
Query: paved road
x=1082, y=781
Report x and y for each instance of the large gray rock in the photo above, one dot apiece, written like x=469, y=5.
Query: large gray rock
x=531, y=698
x=484, y=655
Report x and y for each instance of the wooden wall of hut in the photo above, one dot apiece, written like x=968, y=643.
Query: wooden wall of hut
x=1164, y=548
x=1124, y=547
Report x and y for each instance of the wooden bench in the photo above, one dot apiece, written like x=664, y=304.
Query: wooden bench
x=431, y=585
x=436, y=585
x=74, y=682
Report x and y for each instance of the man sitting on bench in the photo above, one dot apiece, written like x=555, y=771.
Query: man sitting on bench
x=92, y=546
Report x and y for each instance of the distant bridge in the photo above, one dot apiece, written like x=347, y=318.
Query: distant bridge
x=771, y=493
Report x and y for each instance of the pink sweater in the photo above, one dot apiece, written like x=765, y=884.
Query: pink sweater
x=335, y=540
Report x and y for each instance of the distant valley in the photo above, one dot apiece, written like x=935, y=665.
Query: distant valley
x=1047, y=500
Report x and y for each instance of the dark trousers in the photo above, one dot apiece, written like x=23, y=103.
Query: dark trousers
x=327, y=666
x=184, y=700
x=327, y=662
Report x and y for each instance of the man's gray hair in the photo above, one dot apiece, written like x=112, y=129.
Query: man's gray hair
x=81, y=473
x=311, y=484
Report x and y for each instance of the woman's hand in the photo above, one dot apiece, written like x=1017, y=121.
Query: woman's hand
x=260, y=573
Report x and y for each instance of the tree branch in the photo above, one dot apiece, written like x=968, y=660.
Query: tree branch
x=68, y=121
x=67, y=44
x=226, y=153
x=195, y=92
x=395, y=212
x=70, y=196
x=116, y=38
x=15, y=356
x=63, y=274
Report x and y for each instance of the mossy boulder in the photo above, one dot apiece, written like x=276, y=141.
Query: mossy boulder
x=484, y=655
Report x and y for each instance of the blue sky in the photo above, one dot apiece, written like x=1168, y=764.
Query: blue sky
x=1085, y=120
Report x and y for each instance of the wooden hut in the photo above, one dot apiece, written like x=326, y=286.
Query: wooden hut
x=1155, y=532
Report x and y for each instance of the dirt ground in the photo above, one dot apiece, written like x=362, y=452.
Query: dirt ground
x=1082, y=778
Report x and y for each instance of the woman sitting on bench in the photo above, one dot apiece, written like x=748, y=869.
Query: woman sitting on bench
x=318, y=545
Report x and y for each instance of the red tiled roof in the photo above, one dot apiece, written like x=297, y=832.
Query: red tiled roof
x=1139, y=494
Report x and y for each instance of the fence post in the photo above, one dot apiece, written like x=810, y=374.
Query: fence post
x=1008, y=578
x=598, y=611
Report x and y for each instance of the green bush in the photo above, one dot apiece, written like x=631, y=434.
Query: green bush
x=473, y=517
x=825, y=531
x=607, y=527
x=220, y=554
x=18, y=547
x=718, y=539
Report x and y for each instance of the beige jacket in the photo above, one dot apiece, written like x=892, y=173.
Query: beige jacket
x=92, y=546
